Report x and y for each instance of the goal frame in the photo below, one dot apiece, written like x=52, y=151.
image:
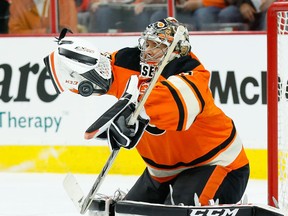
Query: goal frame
x=272, y=98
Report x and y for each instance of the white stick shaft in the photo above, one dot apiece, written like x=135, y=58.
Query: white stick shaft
x=89, y=198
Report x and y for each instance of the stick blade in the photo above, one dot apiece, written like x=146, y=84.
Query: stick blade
x=73, y=190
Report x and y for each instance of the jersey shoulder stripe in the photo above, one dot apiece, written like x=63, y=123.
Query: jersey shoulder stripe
x=196, y=91
x=179, y=104
x=190, y=99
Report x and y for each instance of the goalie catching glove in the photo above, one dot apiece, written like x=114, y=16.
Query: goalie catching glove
x=113, y=124
x=78, y=66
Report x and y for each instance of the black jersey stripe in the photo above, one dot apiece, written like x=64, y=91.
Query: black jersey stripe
x=128, y=58
x=197, y=92
x=179, y=105
x=154, y=130
x=182, y=64
x=199, y=160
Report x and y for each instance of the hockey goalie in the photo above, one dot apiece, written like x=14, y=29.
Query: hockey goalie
x=190, y=146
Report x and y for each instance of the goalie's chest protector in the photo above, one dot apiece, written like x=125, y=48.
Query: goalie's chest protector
x=187, y=128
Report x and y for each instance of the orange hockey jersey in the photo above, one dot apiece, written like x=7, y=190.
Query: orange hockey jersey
x=186, y=128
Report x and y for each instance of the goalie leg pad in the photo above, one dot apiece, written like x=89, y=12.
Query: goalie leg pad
x=133, y=208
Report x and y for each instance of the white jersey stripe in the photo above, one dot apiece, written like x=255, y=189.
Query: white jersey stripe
x=189, y=97
x=223, y=159
x=229, y=155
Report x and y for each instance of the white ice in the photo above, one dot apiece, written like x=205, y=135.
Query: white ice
x=23, y=194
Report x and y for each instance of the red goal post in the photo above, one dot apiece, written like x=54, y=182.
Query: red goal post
x=277, y=103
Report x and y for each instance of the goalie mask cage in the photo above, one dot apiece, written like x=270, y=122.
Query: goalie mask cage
x=277, y=103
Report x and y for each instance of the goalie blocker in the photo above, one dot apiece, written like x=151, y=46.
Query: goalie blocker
x=132, y=208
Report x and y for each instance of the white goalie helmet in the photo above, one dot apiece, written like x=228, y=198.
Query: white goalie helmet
x=78, y=66
x=162, y=33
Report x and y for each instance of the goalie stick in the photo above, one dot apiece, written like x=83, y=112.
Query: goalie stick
x=70, y=184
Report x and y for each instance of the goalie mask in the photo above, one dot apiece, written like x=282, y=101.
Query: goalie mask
x=155, y=41
x=78, y=66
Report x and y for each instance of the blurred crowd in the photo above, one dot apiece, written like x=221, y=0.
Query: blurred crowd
x=110, y=16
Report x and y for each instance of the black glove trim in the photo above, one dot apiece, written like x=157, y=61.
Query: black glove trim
x=104, y=121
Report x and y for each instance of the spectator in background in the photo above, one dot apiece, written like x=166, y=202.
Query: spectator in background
x=254, y=12
x=32, y=16
x=214, y=14
x=232, y=15
x=102, y=16
x=184, y=13
x=4, y=15
x=82, y=5
x=122, y=15
x=206, y=15
x=83, y=14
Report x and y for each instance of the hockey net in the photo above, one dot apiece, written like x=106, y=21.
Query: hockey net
x=277, y=74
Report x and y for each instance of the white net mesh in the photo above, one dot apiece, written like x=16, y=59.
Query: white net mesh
x=283, y=110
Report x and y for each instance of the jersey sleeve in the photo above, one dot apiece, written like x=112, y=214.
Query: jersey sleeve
x=175, y=102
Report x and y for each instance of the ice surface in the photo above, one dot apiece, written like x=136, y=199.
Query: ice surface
x=36, y=194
